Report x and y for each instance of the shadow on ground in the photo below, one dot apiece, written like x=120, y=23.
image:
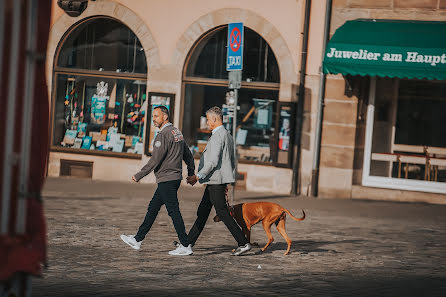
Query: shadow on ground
x=347, y=284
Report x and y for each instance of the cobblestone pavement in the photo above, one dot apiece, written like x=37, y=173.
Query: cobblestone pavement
x=343, y=248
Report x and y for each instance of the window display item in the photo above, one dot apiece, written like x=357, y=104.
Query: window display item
x=203, y=123
x=118, y=145
x=138, y=148
x=77, y=143
x=241, y=136
x=263, y=113
x=111, y=131
x=284, y=135
x=82, y=127
x=135, y=140
x=101, y=145
x=70, y=136
x=86, y=143
x=98, y=104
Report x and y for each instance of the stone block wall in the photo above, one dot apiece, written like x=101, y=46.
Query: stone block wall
x=427, y=10
x=338, y=140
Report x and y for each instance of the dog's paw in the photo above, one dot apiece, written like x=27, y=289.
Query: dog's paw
x=258, y=252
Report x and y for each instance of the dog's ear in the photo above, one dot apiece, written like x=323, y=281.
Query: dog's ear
x=217, y=219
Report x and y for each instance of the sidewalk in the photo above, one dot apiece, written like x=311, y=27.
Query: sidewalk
x=343, y=248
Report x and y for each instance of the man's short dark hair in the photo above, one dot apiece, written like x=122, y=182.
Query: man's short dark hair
x=163, y=110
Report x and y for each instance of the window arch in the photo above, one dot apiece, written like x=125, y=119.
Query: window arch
x=99, y=97
x=205, y=84
x=103, y=44
x=208, y=58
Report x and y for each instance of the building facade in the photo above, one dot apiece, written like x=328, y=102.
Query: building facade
x=110, y=66
x=382, y=134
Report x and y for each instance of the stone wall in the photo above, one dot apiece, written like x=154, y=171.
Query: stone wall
x=338, y=140
x=427, y=10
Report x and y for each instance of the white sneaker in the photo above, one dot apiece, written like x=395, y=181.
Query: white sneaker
x=182, y=251
x=131, y=241
x=242, y=249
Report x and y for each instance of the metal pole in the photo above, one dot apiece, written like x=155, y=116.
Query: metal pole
x=234, y=131
x=320, y=111
x=300, y=103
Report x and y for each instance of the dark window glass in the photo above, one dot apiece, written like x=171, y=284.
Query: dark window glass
x=420, y=116
x=103, y=44
x=409, y=138
x=209, y=58
x=255, y=119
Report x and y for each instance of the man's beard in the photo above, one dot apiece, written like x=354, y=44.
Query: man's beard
x=156, y=124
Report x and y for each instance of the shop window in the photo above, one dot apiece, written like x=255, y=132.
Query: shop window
x=206, y=85
x=255, y=122
x=103, y=44
x=408, y=142
x=99, y=114
x=99, y=103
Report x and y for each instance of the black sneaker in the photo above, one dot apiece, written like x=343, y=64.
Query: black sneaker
x=242, y=249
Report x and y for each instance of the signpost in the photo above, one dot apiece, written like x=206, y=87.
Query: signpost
x=234, y=64
x=235, y=47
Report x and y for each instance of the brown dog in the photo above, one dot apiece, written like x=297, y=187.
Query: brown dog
x=249, y=214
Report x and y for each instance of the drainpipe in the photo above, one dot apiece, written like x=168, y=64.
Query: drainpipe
x=320, y=110
x=300, y=101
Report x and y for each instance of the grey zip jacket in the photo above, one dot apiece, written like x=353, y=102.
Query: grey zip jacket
x=169, y=151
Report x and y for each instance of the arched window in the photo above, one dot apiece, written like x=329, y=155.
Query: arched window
x=99, y=93
x=205, y=84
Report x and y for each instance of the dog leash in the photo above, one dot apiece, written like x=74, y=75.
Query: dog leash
x=230, y=208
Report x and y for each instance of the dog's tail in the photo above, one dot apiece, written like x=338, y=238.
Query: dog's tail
x=293, y=217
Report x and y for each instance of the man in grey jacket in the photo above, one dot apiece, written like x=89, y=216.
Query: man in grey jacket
x=169, y=150
x=216, y=170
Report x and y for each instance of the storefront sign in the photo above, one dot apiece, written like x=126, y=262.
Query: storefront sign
x=407, y=57
x=235, y=47
x=388, y=48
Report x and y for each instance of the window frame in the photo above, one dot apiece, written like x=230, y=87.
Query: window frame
x=149, y=114
x=292, y=106
x=87, y=73
x=369, y=180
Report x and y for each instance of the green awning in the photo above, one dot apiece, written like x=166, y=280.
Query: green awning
x=388, y=48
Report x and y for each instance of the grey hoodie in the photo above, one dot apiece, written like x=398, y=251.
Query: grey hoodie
x=169, y=151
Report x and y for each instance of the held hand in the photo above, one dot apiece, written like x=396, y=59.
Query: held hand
x=192, y=180
x=134, y=179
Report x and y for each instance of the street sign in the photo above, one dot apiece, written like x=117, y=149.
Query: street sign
x=235, y=47
x=235, y=79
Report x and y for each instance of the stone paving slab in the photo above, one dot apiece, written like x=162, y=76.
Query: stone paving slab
x=342, y=248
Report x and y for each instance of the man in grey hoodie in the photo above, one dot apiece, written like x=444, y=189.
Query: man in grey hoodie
x=169, y=150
